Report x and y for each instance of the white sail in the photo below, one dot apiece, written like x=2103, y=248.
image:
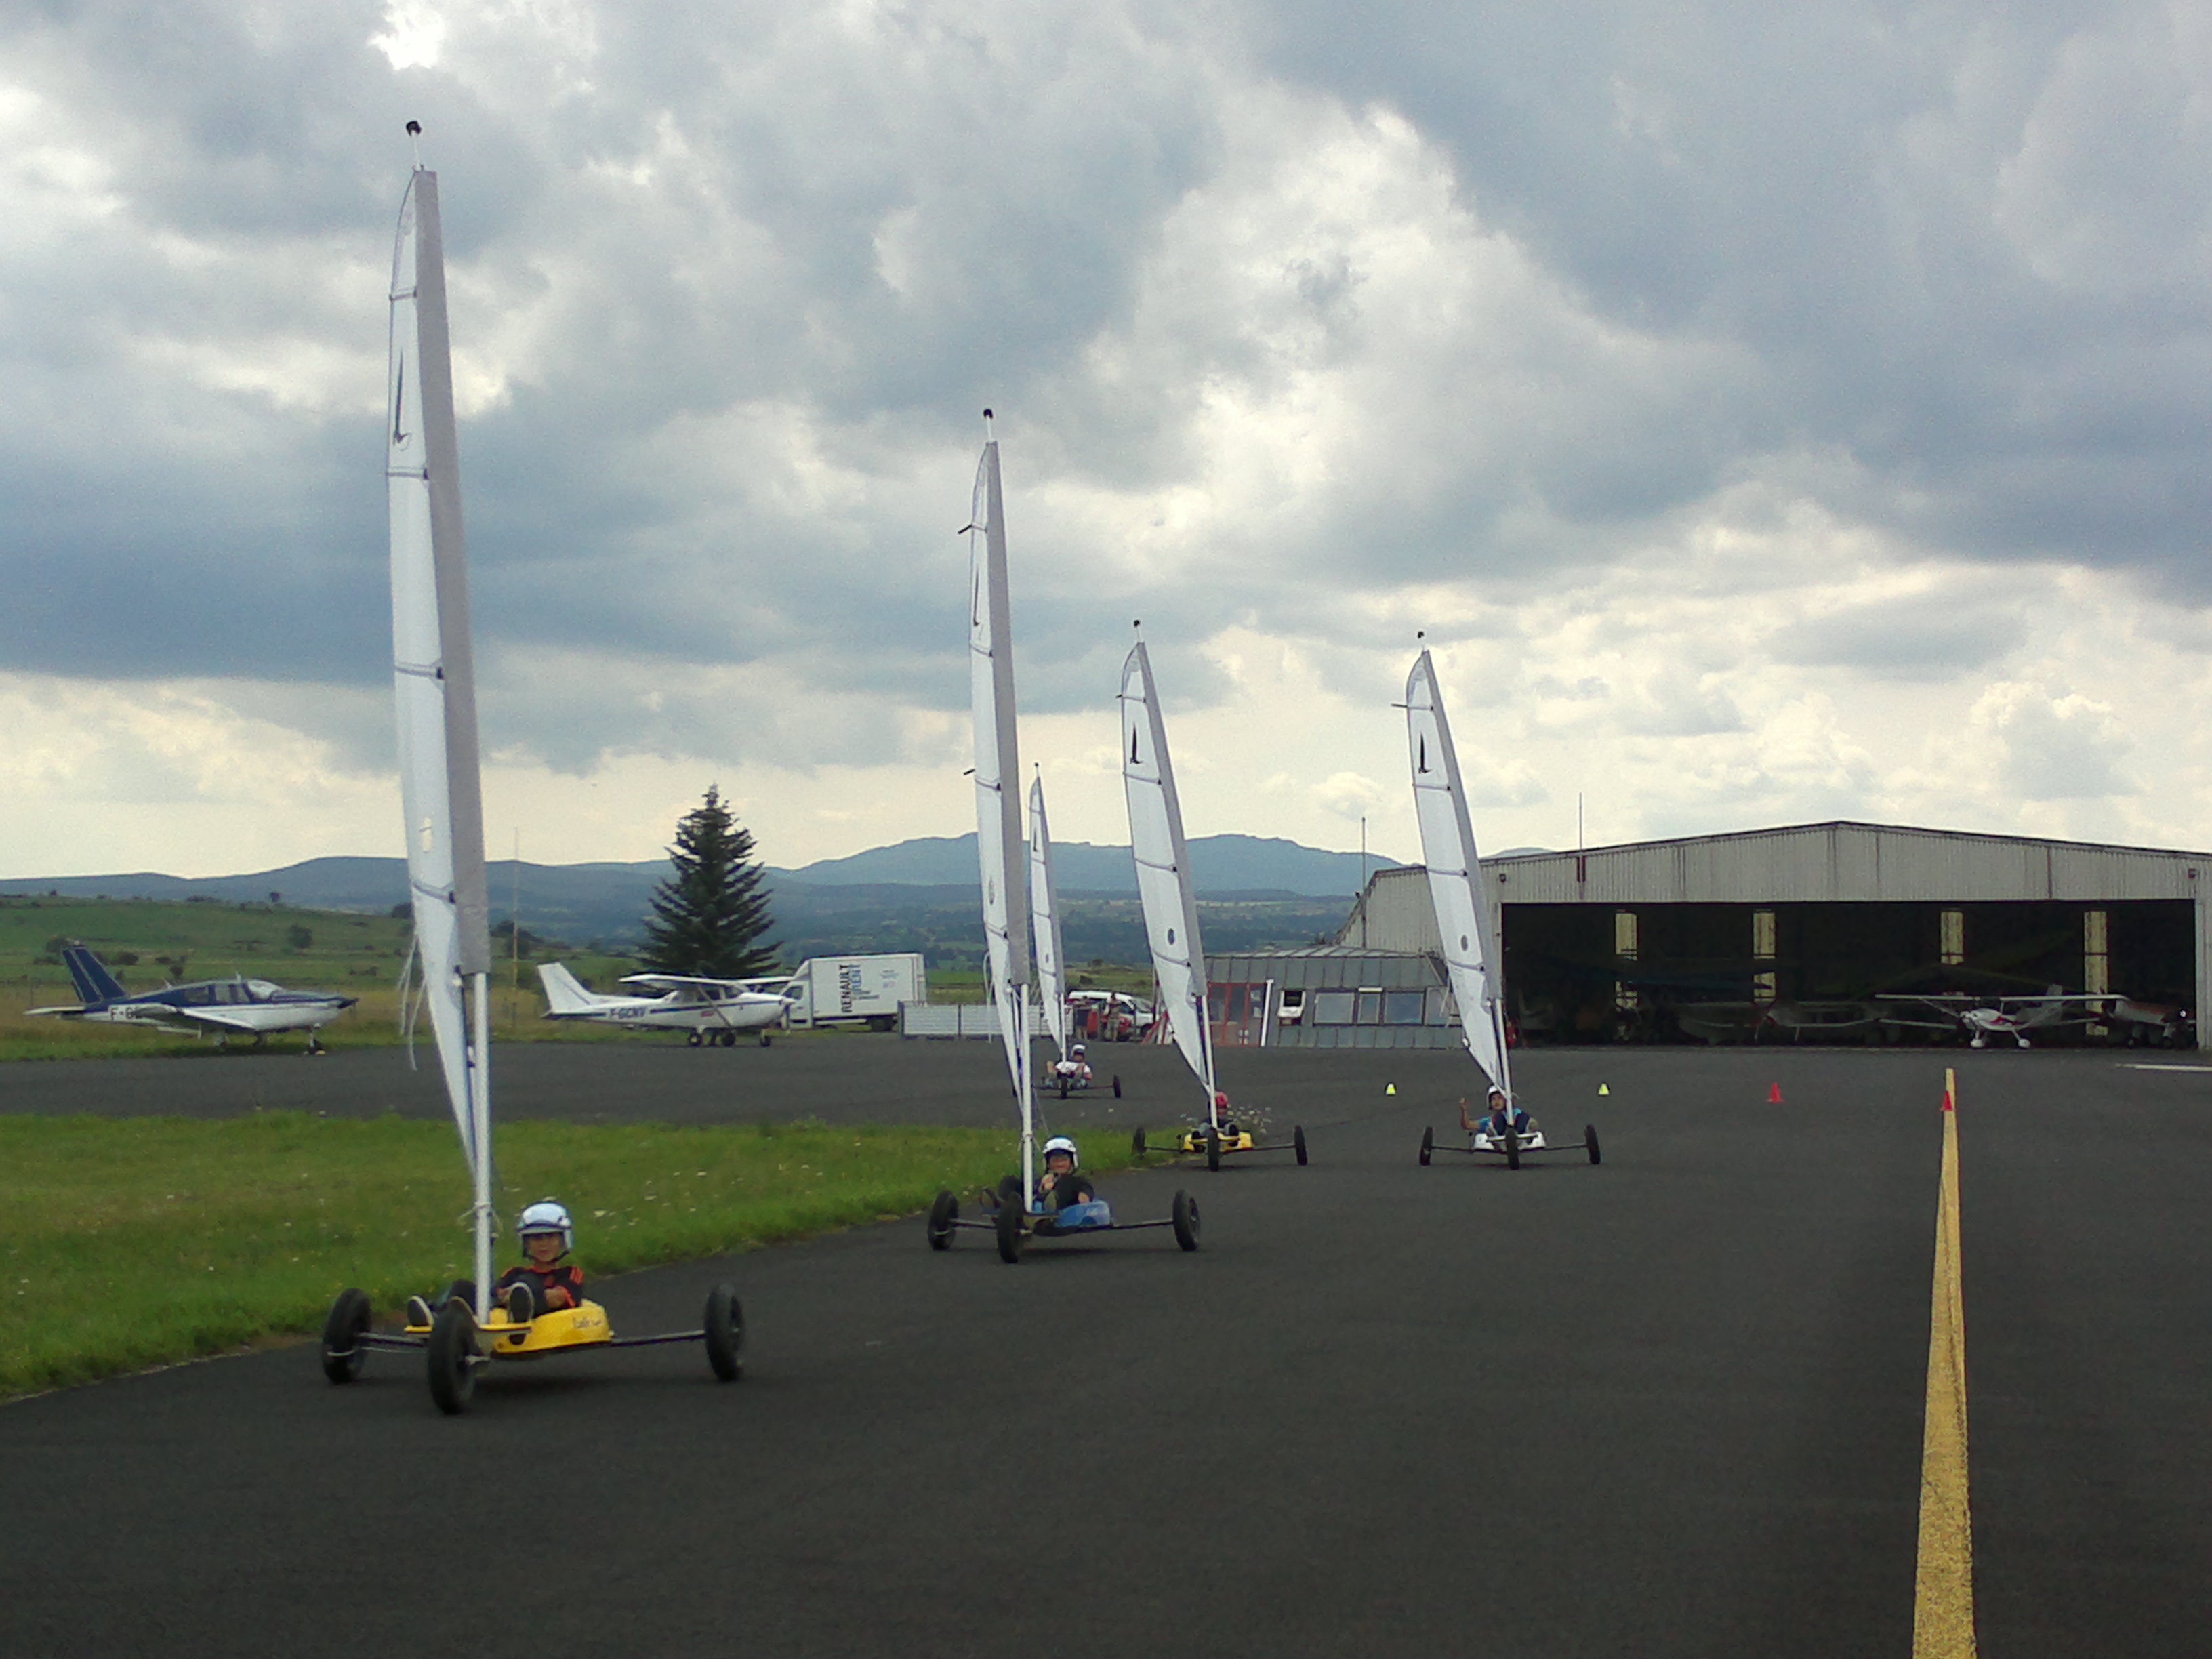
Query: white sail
x=1455, y=886
x=434, y=680
x=997, y=799
x=1044, y=912
x=1163, y=870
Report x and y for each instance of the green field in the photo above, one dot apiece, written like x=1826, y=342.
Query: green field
x=134, y=1242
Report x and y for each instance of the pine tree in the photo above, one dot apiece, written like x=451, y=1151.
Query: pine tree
x=707, y=917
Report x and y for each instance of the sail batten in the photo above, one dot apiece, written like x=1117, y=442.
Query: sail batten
x=1163, y=864
x=1456, y=888
x=434, y=688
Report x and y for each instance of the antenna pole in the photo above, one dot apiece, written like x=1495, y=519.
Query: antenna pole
x=414, y=138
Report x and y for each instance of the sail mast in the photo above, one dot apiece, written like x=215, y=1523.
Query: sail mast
x=1044, y=908
x=1163, y=860
x=434, y=680
x=997, y=798
x=1455, y=884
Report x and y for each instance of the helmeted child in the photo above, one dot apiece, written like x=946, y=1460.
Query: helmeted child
x=1501, y=1116
x=547, y=1282
x=1060, y=1185
x=539, y=1284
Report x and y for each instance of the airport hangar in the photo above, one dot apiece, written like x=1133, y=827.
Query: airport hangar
x=1604, y=942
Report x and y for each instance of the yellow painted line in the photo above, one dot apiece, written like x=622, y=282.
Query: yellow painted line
x=1943, y=1584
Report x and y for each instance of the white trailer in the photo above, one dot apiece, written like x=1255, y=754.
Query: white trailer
x=856, y=990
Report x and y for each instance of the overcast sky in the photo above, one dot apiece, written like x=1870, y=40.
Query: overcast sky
x=1772, y=413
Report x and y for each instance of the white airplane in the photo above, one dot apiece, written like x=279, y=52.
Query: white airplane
x=223, y=1007
x=709, y=1010
x=2011, y=1016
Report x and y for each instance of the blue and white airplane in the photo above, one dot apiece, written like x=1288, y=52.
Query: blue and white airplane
x=226, y=1007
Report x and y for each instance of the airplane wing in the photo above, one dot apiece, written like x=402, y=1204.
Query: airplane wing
x=684, y=981
x=212, y=1018
x=74, y=1008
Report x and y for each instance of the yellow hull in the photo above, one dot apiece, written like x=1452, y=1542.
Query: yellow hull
x=580, y=1327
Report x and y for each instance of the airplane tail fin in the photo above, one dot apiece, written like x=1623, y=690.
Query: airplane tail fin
x=564, y=994
x=94, y=984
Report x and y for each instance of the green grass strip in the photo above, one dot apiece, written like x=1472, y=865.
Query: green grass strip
x=126, y=1242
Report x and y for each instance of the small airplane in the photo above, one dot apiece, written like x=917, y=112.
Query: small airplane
x=711, y=1011
x=227, y=1008
x=2011, y=1016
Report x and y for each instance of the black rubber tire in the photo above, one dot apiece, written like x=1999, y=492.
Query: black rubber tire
x=765, y=1041
x=350, y=1318
x=693, y=1039
x=1428, y=1144
x=1589, y=1140
x=725, y=1331
x=1212, y=1147
x=1062, y=1087
x=942, y=1214
x=1298, y=1142
x=1117, y=1085
x=1512, y=1149
x=453, y=1356
x=1184, y=1215
x=1137, y=1147
x=1010, y=1234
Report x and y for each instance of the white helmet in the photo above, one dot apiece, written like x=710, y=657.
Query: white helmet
x=1062, y=1144
x=548, y=1215
x=1077, y=1050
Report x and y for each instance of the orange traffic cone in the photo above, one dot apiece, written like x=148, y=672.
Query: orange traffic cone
x=1774, y=1094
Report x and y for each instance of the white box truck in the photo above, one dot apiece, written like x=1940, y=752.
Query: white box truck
x=856, y=990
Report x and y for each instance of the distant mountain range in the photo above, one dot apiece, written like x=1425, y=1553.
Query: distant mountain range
x=923, y=892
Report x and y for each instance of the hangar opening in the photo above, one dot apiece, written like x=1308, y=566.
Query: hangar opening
x=1829, y=932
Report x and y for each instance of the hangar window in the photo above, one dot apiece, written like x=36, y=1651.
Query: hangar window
x=1370, y=1006
x=1439, y=1011
x=1765, y=986
x=1624, y=934
x=1403, y=1007
x=1329, y=1007
x=1951, y=946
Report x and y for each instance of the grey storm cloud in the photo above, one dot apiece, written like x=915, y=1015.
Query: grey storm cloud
x=1937, y=635
x=735, y=284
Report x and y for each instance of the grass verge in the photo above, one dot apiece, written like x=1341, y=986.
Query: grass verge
x=135, y=1242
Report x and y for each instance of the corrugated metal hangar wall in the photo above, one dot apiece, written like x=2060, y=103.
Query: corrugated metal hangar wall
x=1619, y=940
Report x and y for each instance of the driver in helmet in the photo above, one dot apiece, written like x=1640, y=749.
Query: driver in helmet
x=539, y=1284
x=1222, y=1121
x=1061, y=1185
x=542, y=1282
x=1501, y=1116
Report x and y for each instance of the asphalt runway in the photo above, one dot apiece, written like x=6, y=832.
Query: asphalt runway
x=1669, y=1406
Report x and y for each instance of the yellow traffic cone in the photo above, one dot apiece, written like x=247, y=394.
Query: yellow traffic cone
x=1390, y=1088
x=1602, y=1090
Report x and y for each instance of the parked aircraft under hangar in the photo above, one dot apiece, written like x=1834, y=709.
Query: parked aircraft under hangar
x=1810, y=932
